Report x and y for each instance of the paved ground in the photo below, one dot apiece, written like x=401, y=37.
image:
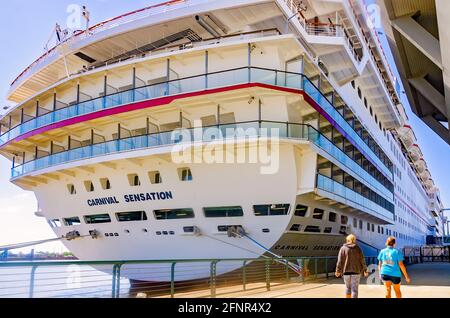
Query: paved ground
x=430, y=280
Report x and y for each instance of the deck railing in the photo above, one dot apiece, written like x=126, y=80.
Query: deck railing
x=201, y=82
x=82, y=279
x=222, y=132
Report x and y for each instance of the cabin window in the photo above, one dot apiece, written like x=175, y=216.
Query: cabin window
x=89, y=186
x=54, y=223
x=134, y=180
x=155, y=177
x=359, y=92
x=318, y=214
x=72, y=221
x=222, y=212
x=373, y=228
x=344, y=219
x=173, y=214
x=360, y=224
x=353, y=84
x=368, y=226
x=355, y=223
x=327, y=230
x=365, y=102
x=371, y=111
x=71, y=189
x=295, y=227
x=271, y=209
x=332, y=217
x=185, y=174
x=97, y=218
x=105, y=183
x=300, y=210
x=131, y=216
x=312, y=229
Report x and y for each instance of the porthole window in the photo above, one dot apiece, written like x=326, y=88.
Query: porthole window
x=332, y=217
x=89, y=186
x=134, y=180
x=318, y=214
x=155, y=177
x=71, y=189
x=300, y=210
x=105, y=183
x=185, y=174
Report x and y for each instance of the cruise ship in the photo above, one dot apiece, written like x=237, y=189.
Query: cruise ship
x=220, y=130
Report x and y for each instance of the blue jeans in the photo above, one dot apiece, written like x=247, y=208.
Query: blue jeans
x=352, y=284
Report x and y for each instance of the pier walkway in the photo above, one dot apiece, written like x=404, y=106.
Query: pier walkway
x=428, y=280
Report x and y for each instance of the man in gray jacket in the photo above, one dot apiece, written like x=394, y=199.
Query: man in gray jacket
x=351, y=264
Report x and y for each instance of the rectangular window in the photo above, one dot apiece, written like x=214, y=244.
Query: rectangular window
x=318, y=214
x=300, y=210
x=332, y=217
x=131, y=216
x=97, y=218
x=223, y=212
x=185, y=174
x=327, y=230
x=54, y=223
x=155, y=177
x=295, y=227
x=344, y=219
x=312, y=229
x=72, y=221
x=271, y=209
x=355, y=223
x=173, y=214
x=360, y=224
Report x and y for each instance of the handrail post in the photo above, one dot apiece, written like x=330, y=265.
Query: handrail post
x=315, y=268
x=244, y=276
x=32, y=278
x=213, y=273
x=113, y=289
x=267, y=270
x=326, y=267
x=287, y=269
x=172, y=280
x=118, y=280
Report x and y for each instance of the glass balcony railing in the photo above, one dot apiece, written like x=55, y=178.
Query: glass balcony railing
x=198, y=83
x=207, y=134
x=329, y=185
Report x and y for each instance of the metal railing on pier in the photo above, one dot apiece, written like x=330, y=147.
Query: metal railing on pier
x=158, y=278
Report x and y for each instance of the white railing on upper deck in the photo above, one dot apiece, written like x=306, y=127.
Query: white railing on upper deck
x=105, y=25
x=322, y=29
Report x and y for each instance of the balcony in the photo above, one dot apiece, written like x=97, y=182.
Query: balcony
x=250, y=129
x=330, y=39
x=330, y=189
x=200, y=83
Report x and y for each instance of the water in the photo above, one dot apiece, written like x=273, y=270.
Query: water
x=68, y=281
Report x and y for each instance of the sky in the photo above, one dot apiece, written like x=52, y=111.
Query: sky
x=25, y=28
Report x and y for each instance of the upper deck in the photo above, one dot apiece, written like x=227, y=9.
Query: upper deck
x=173, y=24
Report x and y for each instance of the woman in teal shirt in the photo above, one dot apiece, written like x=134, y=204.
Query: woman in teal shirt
x=390, y=266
